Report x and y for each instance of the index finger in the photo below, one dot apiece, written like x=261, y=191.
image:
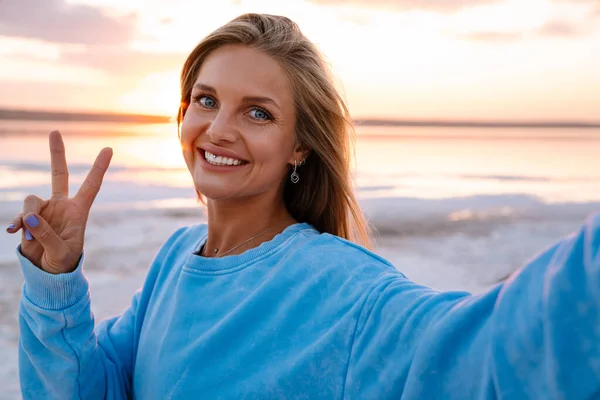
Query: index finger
x=91, y=186
x=58, y=165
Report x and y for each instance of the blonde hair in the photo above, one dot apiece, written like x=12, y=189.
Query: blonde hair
x=323, y=197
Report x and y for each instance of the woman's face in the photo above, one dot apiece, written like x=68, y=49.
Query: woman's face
x=238, y=131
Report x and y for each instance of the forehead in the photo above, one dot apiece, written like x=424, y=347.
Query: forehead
x=243, y=70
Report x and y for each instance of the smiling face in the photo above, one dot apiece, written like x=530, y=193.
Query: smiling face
x=237, y=134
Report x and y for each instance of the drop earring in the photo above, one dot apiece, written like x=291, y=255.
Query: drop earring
x=295, y=177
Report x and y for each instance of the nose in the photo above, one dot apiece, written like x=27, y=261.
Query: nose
x=222, y=128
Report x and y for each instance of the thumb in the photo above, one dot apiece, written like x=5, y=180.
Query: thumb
x=43, y=233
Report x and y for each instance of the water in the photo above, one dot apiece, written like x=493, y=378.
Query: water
x=403, y=168
x=556, y=166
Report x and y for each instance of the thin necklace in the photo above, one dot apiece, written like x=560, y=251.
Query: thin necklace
x=241, y=244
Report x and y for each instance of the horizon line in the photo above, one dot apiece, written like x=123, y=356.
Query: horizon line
x=93, y=116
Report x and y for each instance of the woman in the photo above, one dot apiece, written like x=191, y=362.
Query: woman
x=277, y=296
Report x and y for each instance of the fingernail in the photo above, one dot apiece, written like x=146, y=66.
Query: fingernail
x=32, y=221
x=10, y=227
x=28, y=235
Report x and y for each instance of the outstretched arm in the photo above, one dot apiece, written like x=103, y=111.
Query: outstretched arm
x=536, y=335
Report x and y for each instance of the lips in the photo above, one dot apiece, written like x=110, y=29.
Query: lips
x=220, y=152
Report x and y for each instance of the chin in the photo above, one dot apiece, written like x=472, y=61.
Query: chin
x=218, y=190
x=212, y=193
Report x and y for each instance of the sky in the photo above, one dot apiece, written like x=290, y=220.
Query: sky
x=439, y=59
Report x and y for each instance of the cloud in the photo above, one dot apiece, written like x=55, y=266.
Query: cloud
x=559, y=29
x=576, y=1
x=357, y=19
x=551, y=29
x=122, y=61
x=440, y=6
x=24, y=49
x=55, y=95
x=56, y=21
x=594, y=5
x=495, y=37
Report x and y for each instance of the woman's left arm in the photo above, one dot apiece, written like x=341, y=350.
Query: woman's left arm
x=536, y=335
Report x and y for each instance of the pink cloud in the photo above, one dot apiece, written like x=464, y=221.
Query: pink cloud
x=442, y=6
x=55, y=21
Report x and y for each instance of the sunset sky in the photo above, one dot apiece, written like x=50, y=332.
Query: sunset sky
x=455, y=59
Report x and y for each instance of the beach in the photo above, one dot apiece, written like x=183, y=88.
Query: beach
x=453, y=209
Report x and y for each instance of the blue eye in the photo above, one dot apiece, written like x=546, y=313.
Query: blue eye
x=206, y=101
x=257, y=113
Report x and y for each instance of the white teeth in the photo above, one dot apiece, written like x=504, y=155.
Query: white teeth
x=218, y=160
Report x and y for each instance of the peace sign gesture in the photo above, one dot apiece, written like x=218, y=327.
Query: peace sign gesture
x=53, y=230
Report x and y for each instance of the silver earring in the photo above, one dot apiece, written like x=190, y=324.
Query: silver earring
x=295, y=177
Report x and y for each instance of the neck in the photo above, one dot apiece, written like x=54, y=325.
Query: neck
x=233, y=221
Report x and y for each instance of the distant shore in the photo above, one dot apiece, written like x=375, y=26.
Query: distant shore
x=40, y=115
x=33, y=115
x=478, y=124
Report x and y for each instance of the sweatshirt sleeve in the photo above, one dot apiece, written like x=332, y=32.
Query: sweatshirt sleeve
x=536, y=335
x=62, y=354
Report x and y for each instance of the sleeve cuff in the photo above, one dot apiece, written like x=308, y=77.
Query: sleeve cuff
x=52, y=291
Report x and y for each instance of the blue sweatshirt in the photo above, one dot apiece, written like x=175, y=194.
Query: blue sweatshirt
x=312, y=316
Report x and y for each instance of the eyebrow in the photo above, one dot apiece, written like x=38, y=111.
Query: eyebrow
x=246, y=99
x=204, y=87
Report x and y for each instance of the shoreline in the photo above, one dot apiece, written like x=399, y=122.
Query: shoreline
x=109, y=117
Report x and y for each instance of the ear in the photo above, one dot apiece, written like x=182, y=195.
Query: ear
x=299, y=155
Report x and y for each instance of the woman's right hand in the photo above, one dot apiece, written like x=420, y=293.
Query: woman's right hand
x=53, y=230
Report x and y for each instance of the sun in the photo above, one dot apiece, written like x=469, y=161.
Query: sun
x=157, y=93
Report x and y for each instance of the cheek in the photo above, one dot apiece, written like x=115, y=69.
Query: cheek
x=188, y=135
x=267, y=151
x=270, y=144
x=188, y=128
x=188, y=155
x=271, y=157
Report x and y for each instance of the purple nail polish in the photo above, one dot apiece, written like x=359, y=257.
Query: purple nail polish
x=28, y=235
x=32, y=221
x=10, y=227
